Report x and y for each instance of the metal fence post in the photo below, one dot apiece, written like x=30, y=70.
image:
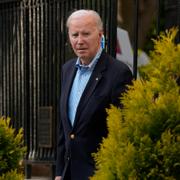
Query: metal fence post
x=135, y=48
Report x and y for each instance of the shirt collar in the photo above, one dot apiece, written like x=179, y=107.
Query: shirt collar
x=92, y=64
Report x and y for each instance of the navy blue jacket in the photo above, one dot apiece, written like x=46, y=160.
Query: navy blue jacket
x=76, y=144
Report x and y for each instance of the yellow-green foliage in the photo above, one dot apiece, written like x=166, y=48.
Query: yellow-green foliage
x=11, y=146
x=144, y=137
x=12, y=175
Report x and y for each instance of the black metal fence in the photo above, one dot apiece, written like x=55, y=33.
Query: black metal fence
x=33, y=46
x=172, y=15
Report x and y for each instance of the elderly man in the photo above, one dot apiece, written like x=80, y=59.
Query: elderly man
x=89, y=84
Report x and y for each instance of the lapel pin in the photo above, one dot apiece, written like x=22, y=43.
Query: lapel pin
x=97, y=79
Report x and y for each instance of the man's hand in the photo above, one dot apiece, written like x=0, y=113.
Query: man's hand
x=57, y=178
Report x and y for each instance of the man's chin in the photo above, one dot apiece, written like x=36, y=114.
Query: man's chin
x=82, y=56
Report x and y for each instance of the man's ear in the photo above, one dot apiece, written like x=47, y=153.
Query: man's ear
x=101, y=33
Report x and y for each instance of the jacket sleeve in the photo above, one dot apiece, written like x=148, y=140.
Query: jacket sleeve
x=122, y=80
x=60, y=151
x=60, y=144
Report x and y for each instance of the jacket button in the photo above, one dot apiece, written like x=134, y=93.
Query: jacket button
x=72, y=136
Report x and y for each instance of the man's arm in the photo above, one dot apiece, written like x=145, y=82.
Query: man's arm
x=60, y=144
x=120, y=85
x=60, y=151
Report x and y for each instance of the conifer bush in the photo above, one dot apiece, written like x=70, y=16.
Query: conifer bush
x=144, y=137
x=12, y=175
x=12, y=150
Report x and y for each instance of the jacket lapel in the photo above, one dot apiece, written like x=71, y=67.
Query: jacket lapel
x=91, y=86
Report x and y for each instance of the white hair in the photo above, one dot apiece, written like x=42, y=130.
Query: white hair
x=85, y=12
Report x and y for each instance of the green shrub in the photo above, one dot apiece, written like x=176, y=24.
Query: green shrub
x=11, y=147
x=144, y=137
x=12, y=175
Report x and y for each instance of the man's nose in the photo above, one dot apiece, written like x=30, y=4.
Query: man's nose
x=80, y=39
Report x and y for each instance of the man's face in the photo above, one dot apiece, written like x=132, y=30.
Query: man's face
x=84, y=37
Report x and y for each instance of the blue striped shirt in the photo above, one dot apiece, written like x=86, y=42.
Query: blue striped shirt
x=80, y=81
